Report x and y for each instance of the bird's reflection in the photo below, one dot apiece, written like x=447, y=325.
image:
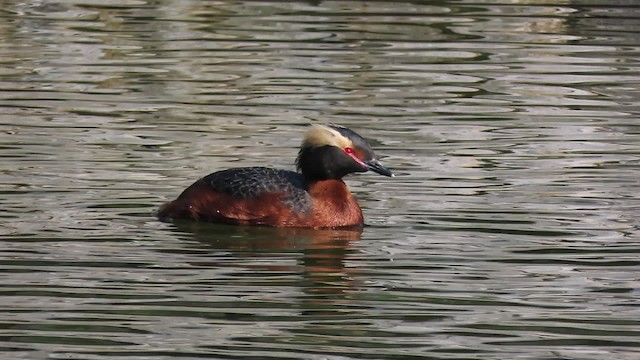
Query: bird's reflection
x=319, y=255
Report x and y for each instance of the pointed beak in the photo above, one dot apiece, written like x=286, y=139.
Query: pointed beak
x=375, y=166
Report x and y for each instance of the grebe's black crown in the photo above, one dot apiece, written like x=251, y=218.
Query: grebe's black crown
x=357, y=140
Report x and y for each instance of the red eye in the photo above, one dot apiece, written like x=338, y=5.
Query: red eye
x=349, y=151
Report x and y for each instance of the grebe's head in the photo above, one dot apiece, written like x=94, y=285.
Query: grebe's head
x=332, y=151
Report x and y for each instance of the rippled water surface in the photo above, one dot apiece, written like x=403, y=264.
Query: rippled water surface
x=511, y=230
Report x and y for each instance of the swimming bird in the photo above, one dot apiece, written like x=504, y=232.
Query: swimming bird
x=313, y=197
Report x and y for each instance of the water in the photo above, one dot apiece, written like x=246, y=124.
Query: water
x=511, y=230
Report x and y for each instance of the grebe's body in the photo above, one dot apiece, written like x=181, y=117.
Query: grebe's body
x=314, y=197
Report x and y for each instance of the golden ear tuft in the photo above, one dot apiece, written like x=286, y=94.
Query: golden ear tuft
x=321, y=135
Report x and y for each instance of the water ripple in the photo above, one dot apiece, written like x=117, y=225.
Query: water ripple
x=509, y=231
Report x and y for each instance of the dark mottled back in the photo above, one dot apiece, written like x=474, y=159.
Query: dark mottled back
x=251, y=182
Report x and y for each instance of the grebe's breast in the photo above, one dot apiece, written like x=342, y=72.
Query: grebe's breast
x=255, y=182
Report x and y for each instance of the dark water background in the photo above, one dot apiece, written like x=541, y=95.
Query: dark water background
x=511, y=232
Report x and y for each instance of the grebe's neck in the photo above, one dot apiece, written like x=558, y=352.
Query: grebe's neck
x=334, y=203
